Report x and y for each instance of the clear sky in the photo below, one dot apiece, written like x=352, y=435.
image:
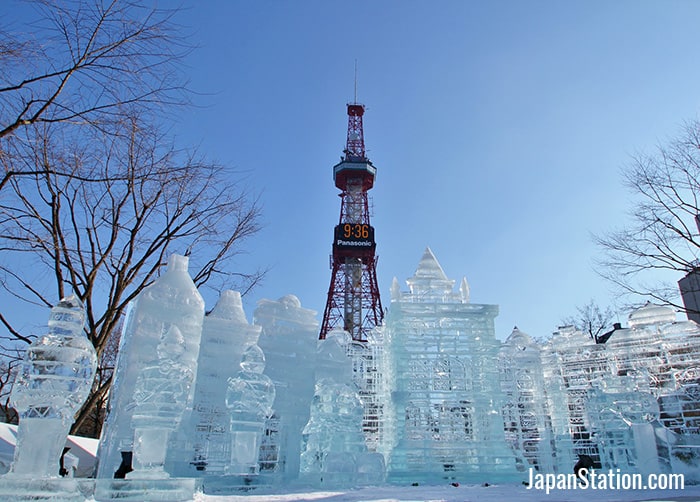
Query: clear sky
x=498, y=128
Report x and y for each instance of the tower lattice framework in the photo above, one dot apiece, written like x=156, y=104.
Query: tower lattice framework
x=353, y=302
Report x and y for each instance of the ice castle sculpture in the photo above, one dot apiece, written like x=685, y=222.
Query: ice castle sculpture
x=288, y=339
x=203, y=445
x=445, y=403
x=525, y=415
x=631, y=402
x=155, y=373
x=53, y=382
x=249, y=398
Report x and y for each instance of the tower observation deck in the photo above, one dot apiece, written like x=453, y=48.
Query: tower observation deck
x=353, y=302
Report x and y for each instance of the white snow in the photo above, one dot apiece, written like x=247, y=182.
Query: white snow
x=462, y=493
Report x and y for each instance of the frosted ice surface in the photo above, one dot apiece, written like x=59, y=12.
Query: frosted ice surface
x=651, y=314
x=54, y=380
x=154, y=373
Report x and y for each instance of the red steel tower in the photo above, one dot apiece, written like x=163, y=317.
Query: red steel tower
x=353, y=297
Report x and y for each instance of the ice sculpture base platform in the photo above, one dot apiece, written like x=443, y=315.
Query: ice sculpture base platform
x=53, y=489
x=145, y=490
x=233, y=484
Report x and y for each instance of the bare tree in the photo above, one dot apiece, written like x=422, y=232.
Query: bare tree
x=107, y=238
x=662, y=238
x=88, y=63
x=591, y=319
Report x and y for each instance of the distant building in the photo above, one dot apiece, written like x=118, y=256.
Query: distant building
x=690, y=292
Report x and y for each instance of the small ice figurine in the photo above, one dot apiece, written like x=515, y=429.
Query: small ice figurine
x=160, y=397
x=249, y=398
x=54, y=381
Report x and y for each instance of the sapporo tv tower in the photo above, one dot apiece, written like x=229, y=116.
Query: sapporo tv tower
x=353, y=302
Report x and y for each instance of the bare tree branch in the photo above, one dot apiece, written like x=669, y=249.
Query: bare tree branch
x=107, y=240
x=662, y=237
x=96, y=63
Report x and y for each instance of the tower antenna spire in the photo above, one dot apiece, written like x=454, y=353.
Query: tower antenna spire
x=354, y=101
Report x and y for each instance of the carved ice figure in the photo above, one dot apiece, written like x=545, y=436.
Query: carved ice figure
x=154, y=374
x=204, y=443
x=160, y=396
x=334, y=450
x=525, y=413
x=53, y=383
x=333, y=437
x=249, y=399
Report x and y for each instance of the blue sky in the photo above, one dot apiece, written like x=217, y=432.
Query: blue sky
x=498, y=129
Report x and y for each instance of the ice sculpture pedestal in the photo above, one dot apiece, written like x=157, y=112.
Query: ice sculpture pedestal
x=145, y=490
x=53, y=489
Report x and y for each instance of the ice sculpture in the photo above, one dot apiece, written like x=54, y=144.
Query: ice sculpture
x=525, y=413
x=53, y=383
x=624, y=425
x=159, y=399
x=288, y=339
x=573, y=363
x=333, y=437
x=153, y=385
x=441, y=362
x=249, y=399
x=203, y=443
x=630, y=402
x=334, y=452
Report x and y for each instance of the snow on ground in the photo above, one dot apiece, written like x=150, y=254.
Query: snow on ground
x=463, y=493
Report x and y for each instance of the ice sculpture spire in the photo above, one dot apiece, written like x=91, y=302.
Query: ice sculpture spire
x=429, y=279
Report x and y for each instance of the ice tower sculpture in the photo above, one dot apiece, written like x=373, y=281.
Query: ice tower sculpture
x=288, y=339
x=204, y=442
x=53, y=382
x=441, y=355
x=153, y=386
x=525, y=414
x=249, y=399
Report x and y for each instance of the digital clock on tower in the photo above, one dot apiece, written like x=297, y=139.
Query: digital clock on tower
x=354, y=235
